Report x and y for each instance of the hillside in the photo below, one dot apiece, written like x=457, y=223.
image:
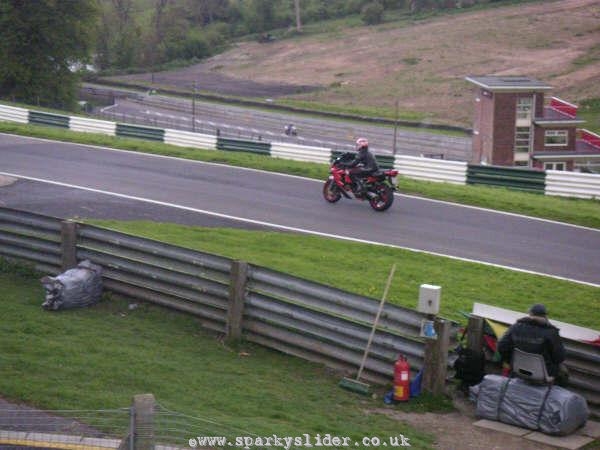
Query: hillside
x=421, y=63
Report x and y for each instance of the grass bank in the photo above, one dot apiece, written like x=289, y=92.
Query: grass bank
x=101, y=356
x=589, y=111
x=365, y=268
x=569, y=210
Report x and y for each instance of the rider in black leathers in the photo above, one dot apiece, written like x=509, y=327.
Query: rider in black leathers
x=534, y=334
x=363, y=165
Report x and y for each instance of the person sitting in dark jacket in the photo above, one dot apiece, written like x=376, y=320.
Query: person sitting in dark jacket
x=535, y=334
x=363, y=165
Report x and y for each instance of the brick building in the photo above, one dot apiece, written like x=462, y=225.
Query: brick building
x=514, y=125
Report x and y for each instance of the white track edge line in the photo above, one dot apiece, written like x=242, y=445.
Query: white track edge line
x=416, y=197
x=294, y=229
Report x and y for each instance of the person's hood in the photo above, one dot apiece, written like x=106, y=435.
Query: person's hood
x=536, y=320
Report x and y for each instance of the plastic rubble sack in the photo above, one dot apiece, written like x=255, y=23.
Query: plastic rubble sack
x=75, y=288
x=550, y=409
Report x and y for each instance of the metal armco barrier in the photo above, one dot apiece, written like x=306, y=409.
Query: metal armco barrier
x=432, y=169
x=327, y=325
x=528, y=180
x=139, y=132
x=189, y=139
x=570, y=184
x=13, y=114
x=280, y=311
x=32, y=237
x=85, y=125
x=178, y=278
x=300, y=317
x=300, y=152
x=55, y=120
x=584, y=372
x=238, y=145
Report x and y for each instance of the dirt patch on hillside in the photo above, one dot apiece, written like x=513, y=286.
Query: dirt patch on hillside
x=422, y=64
x=203, y=78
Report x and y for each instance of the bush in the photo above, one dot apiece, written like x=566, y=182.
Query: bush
x=372, y=13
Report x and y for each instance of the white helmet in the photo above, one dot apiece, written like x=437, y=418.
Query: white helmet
x=361, y=142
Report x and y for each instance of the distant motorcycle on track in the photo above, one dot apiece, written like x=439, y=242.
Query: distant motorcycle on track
x=290, y=130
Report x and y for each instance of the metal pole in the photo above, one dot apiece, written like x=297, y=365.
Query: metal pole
x=396, y=126
x=131, y=427
x=194, y=108
x=298, y=21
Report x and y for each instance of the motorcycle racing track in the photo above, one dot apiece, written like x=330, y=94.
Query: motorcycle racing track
x=69, y=180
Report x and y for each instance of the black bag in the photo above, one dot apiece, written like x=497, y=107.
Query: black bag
x=469, y=366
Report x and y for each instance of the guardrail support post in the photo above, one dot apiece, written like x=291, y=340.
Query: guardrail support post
x=435, y=368
x=475, y=334
x=143, y=432
x=237, y=295
x=68, y=244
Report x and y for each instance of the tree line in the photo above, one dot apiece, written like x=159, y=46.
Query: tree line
x=42, y=42
x=194, y=29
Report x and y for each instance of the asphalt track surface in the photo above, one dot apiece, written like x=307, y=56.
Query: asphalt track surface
x=69, y=180
x=254, y=124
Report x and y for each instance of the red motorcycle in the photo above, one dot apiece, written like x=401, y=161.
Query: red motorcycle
x=378, y=187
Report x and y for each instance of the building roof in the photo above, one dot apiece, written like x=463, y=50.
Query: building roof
x=582, y=146
x=508, y=83
x=583, y=150
x=553, y=116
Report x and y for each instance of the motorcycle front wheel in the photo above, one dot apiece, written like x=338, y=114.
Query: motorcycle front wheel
x=331, y=191
x=383, y=199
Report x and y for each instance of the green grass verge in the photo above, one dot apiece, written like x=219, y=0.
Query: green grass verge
x=365, y=268
x=357, y=111
x=99, y=357
x=576, y=211
x=589, y=111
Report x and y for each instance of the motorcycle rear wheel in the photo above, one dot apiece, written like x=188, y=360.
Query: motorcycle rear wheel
x=384, y=198
x=331, y=191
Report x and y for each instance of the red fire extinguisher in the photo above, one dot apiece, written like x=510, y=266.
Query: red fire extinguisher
x=401, y=379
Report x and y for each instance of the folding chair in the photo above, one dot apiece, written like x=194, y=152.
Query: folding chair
x=530, y=367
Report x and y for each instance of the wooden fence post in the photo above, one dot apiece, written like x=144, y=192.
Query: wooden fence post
x=475, y=334
x=435, y=367
x=237, y=296
x=143, y=434
x=68, y=244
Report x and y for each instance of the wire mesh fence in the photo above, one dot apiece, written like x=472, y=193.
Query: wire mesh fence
x=173, y=430
x=150, y=426
x=180, y=430
x=69, y=429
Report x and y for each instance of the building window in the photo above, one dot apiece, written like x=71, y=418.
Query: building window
x=522, y=138
x=555, y=138
x=554, y=166
x=524, y=108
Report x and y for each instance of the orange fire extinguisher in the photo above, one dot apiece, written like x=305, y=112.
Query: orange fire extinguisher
x=401, y=379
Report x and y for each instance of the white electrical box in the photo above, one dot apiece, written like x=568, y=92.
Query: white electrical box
x=429, y=299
